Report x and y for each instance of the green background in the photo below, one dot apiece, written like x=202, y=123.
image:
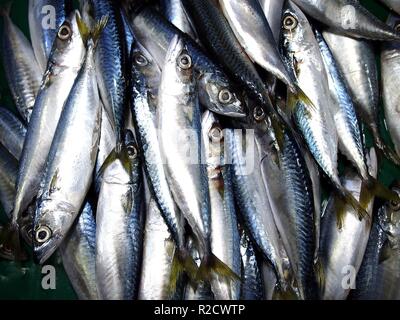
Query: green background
x=23, y=280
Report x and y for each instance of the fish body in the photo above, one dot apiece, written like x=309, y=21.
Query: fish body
x=175, y=13
x=12, y=132
x=348, y=17
x=273, y=12
x=78, y=255
x=8, y=175
x=45, y=18
x=69, y=168
x=119, y=219
x=21, y=68
x=216, y=91
x=342, y=248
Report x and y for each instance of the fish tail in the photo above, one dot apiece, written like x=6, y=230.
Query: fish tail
x=10, y=245
x=211, y=264
x=319, y=273
x=301, y=96
x=349, y=199
x=383, y=148
x=91, y=33
x=182, y=262
x=5, y=10
x=284, y=293
x=378, y=189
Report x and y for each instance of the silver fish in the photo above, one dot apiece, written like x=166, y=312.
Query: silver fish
x=119, y=218
x=357, y=63
x=78, y=255
x=390, y=68
x=344, y=237
x=12, y=132
x=8, y=175
x=21, y=69
x=45, y=18
x=250, y=26
x=64, y=65
x=216, y=91
x=175, y=13
x=273, y=12
x=62, y=190
x=348, y=17
x=225, y=240
x=268, y=279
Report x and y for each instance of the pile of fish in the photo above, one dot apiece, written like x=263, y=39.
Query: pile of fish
x=190, y=149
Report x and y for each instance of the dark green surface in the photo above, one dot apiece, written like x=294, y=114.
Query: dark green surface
x=23, y=280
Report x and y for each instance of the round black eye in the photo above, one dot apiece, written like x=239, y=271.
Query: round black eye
x=258, y=114
x=141, y=60
x=185, y=61
x=42, y=234
x=289, y=22
x=216, y=134
x=397, y=28
x=65, y=32
x=132, y=151
x=225, y=96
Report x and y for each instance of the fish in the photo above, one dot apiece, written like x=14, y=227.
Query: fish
x=69, y=47
x=12, y=132
x=252, y=286
x=290, y=193
x=145, y=119
x=268, y=279
x=175, y=13
x=392, y=4
x=111, y=63
x=216, y=90
x=45, y=19
x=225, y=239
x=316, y=124
x=20, y=66
x=8, y=175
x=62, y=191
x=273, y=12
x=78, y=254
x=357, y=63
x=254, y=33
x=119, y=219
x=342, y=248
x=390, y=66
x=348, y=17
x=179, y=123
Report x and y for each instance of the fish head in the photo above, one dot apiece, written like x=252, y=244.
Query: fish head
x=53, y=221
x=213, y=138
x=389, y=218
x=68, y=47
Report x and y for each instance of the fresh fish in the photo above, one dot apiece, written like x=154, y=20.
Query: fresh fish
x=251, y=28
x=111, y=61
x=45, y=19
x=390, y=68
x=316, y=123
x=225, y=239
x=179, y=122
x=392, y=4
x=8, y=175
x=21, y=69
x=69, y=167
x=273, y=12
x=269, y=280
x=357, y=63
x=12, y=132
x=144, y=116
x=246, y=154
x=344, y=237
x=290, y=193
x=175, y=13
x=252, y=286
x=78, y=255
x=216, y=91
x=348, y=17
x=119, y=218
x=64, y=64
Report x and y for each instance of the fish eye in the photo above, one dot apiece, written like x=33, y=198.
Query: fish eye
x=397, y=28
x=42, y=234
x=225, y=96
x=141, y=60
x=65, y=32
x=258, y=114
x=185, y=61
x=132, y=151
x=216, y=134
x=289, y=22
